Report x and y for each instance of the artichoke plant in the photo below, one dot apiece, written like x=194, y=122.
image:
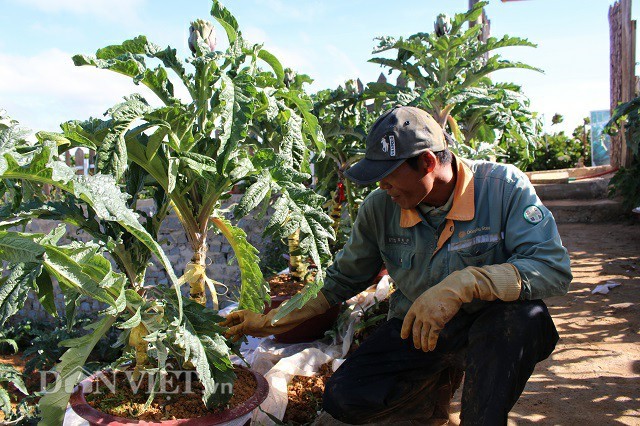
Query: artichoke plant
x=450, y=75
x=32, y=262
x=197, y=151
x=346, y=115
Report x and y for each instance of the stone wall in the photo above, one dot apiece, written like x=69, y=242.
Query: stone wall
x=221, y=264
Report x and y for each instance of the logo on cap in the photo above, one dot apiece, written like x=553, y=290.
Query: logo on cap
x=392, y=146
x=385, y=145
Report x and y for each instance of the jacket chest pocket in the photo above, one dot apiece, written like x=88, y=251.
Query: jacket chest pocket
x=397, y=259
x=476, y=255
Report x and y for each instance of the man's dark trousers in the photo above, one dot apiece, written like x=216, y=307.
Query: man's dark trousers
x=387, y=379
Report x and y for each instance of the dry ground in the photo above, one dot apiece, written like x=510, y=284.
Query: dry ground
x=593, y=377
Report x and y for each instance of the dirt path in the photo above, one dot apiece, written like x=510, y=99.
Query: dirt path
x=593, y=377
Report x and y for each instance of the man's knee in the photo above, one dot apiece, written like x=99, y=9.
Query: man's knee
x=525, y=324
x=336, y=401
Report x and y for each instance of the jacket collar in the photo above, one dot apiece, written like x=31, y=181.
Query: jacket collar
x=463, y=207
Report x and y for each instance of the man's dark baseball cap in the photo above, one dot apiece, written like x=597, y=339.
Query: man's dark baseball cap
x=400, y=133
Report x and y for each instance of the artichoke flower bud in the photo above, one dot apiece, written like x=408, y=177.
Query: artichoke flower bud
x=289, y=77
x=202, y=37
x=350, y=87
x=442, y=25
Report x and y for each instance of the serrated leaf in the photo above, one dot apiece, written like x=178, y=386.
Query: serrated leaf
x=254, y=292
x=136, y=46
x=226, y=19
x=53, y=404
x=254, y=195
x=132, y=322
x=5, y=402
x=15, y=287
x=112, y=153
x=310, y=123
x=127, y=64
x=8, y=373
x=237, y=95
x=84, y=271
x=16, y=248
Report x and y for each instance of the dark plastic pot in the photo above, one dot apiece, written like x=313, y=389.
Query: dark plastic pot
x=310, y=330
x=95, y=417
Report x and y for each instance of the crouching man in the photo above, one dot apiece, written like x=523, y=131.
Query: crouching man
x=472, y=251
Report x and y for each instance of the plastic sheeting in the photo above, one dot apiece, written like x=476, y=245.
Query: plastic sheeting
x=279, y=362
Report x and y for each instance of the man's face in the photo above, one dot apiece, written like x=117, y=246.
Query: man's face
x=407, y=186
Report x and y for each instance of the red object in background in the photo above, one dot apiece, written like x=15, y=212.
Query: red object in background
x=341, y=197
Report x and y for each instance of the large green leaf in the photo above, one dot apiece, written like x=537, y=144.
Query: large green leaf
x=9, y=373
x=99, y=191
x=237, y=95
x=310, y=123
x=254, y=195
x=17, y=247
x=273, y=62
x=53, y=404
x=127, y=64
x=83, y=269
x=112, y=153
x=15, y=287
x=254, y=292
x=226, y=19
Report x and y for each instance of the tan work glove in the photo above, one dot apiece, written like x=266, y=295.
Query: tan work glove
x=435, y=307
x=259, y=325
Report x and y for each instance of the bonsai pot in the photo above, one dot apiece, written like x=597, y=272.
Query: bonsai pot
x=94, y=417
x=310, y=330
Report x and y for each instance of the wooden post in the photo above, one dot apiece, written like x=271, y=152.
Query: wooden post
x=79, y=156
x=622, y=33
x=92, y=162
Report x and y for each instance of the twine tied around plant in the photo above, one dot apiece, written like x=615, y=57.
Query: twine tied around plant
x=195, y=275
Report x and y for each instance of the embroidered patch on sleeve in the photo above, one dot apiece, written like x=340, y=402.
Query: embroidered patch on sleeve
x=533, y=214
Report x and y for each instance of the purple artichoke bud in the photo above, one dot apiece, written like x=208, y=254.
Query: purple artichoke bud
x=442, y=25
x=202, y=33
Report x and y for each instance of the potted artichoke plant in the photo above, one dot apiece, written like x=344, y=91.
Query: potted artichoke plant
x=157, y=323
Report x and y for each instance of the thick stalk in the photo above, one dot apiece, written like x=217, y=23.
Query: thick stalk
x=198, y=277
x=297, y=266
x=136, y=340
x=351, y=204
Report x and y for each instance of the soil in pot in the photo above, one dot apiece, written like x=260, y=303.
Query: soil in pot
x=284, y=285
x=305, y=397
x=129, y=403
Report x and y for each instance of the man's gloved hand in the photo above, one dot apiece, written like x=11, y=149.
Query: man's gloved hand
x=435, y=307
x=259, y=325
